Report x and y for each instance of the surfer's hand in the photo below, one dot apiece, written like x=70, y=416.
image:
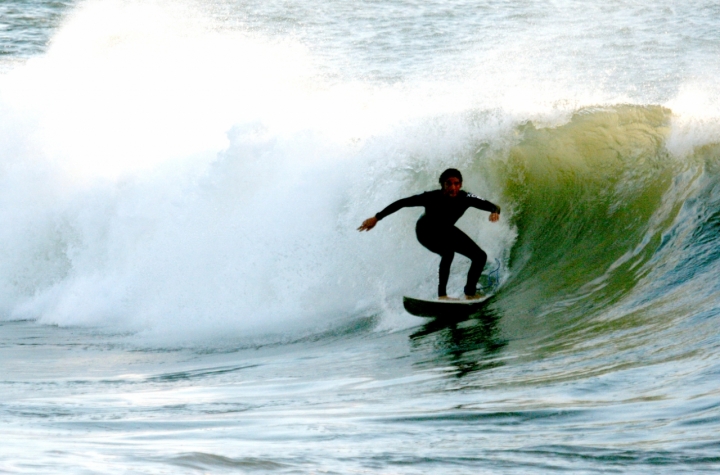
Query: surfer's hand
x=368, y=224
x=494, y=217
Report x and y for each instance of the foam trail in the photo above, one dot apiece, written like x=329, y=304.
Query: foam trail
x=198, y=183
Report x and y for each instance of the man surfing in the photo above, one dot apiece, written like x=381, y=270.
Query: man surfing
x=436, y=228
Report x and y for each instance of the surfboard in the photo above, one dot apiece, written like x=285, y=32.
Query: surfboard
x=434, y=308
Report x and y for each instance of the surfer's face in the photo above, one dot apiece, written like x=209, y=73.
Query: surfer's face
x=451, y=186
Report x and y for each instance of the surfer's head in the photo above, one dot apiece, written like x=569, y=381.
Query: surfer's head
x=451, y=182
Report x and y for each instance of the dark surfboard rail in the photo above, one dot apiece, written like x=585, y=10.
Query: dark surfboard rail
x=442, y=308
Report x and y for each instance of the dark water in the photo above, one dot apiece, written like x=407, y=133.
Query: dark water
x=26, y=26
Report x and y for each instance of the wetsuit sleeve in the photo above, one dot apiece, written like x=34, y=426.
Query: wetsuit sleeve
x=482, y=204
x=417, y=200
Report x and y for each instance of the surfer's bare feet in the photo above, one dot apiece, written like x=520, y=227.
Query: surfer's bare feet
x=445, y=297
x=474, y=297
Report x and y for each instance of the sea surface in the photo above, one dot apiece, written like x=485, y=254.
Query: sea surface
x=183, y=289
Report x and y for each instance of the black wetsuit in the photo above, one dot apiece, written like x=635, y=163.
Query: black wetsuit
x=436, y=231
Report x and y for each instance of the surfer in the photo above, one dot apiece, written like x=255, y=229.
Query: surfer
x=436, y=227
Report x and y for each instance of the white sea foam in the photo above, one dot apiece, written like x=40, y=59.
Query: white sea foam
x=163, y=177
x=696, y=120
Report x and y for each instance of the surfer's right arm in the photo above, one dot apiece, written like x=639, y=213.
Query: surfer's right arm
x=410, y=201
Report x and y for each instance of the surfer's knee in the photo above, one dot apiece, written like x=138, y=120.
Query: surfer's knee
x=479, y=255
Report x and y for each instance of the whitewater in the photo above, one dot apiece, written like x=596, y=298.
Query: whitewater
x=183, y=289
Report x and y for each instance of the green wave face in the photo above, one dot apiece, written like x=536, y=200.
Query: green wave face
x=592, y=200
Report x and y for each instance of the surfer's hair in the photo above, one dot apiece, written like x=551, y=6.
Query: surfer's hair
x=449, y=173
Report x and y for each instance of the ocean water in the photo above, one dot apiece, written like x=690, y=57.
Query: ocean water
x=183, y=289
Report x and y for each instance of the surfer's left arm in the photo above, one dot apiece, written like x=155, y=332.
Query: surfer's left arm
x=485, y=205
